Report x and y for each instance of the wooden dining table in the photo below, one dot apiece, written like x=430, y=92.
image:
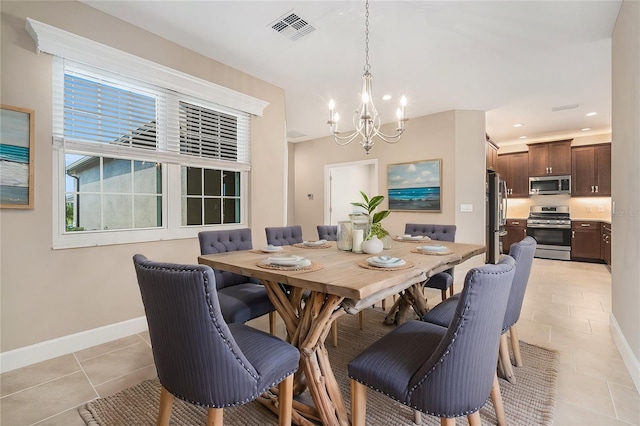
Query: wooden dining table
x=309, y=300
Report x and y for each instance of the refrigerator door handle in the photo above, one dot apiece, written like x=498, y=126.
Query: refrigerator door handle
x=503, y=204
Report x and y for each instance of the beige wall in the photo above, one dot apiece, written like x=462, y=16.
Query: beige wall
x=625, y=151
x=45, y=293
x=457, y=137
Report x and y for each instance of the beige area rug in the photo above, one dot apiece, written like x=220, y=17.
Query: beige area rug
x=531, y=401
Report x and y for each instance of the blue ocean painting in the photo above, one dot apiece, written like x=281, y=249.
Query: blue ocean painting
x=414, y=186
x=14, y=158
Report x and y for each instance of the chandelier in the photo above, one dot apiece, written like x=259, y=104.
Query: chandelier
x=366, y=119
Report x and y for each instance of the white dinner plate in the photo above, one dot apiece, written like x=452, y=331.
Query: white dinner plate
x=414, y=237
x=288, y=261
x=315, y=243
x=433, y=248
x=385, y=261
x=271, y=249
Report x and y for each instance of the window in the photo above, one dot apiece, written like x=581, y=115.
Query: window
x=210, y=197
x=141, y=162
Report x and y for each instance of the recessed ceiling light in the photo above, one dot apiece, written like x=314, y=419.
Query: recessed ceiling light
x=517, y=125
x=563, y=107
x=585, y=129
x=591, y=114
x=386, y=97
x=523, y=137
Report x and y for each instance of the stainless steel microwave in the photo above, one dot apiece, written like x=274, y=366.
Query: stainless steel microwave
x=549, y=185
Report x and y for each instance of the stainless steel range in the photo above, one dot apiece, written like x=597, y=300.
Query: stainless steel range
x=550, y=226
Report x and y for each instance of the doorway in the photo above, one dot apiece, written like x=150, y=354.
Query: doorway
x=342, y=185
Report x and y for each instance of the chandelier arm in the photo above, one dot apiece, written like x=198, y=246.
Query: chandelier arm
x=389, y=138
x=345, y=140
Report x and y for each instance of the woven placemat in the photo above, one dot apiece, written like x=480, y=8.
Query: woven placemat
x=432, y=253
x=402, y=240
x=315, y=266
x=365, y=265
x=303, y=245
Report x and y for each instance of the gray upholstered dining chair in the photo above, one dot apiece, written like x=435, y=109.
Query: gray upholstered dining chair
x=241, y=298
x=443, y=280
x=284, y=235
x=443, y=313
x=198, y=356
x=328, y=232
x=444, y=372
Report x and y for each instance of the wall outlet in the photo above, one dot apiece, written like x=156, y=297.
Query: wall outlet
x=601, y=209
x=589, y=209
x=466, y=207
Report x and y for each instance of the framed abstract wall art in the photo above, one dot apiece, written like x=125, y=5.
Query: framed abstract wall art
x=415, y=186
x=16, y=157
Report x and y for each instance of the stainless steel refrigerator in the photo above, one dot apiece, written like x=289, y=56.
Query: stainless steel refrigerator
x=496, y=215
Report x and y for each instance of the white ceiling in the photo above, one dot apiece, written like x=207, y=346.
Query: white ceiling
x=516, y=60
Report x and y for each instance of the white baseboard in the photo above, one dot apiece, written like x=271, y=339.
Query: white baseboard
x=630, y=360
x=49, y=349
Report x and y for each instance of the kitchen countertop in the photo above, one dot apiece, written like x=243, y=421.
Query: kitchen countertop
x=589, y=219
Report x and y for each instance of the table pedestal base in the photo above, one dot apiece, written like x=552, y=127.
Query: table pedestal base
x=412, y=297
x=308, y=322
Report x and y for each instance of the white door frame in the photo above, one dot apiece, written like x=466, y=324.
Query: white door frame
x=327, y=182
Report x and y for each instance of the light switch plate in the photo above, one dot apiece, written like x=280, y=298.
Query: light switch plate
x=466, y=207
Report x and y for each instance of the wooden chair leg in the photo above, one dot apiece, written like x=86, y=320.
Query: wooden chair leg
x=515, y=345
x=285, y=398
x=447, y=422
x=272, y=323
x=361, y=319
x=164, y=412
x=215, y=416
x=358, y=403
x=496, y=398
x=417, y=417
x=384, y=304
x=443, y=294
x=474, y=419
x=505, y=360
x=334, y=333
x=451, y=290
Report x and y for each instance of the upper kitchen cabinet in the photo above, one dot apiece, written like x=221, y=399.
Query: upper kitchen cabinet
x=514, y=169
x=550, y=158
x=492, y=154
x=591, y=170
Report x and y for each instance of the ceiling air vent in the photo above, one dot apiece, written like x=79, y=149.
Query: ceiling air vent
x=292, y=26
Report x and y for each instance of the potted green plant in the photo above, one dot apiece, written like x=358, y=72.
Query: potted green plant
x=370, y=205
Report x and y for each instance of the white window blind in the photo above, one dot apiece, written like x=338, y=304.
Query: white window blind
x=104, y=113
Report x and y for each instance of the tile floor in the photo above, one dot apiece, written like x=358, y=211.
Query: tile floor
x=566, y=308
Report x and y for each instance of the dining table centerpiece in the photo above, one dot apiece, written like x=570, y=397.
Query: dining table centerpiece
x=369, y=205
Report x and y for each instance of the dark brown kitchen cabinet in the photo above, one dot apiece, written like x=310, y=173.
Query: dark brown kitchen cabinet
x=585, y=240
x=492, y=155
x=516, y=231
x=591, y=170
x=605, y=244
x=514, y=170
x=550, y=158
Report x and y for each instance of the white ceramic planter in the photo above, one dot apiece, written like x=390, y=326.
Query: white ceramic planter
x=372, y=246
